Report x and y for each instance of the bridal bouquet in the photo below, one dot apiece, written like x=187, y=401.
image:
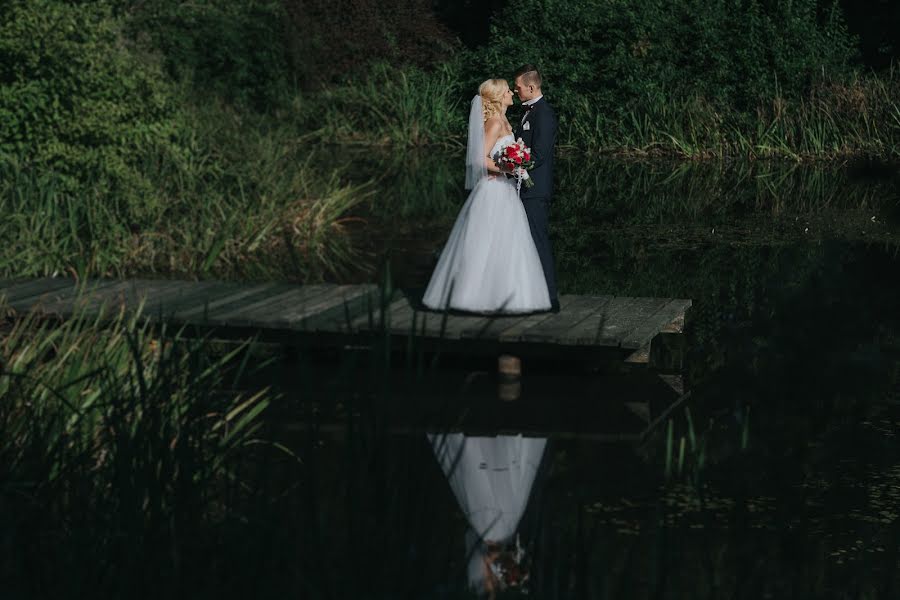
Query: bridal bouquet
x=517, y=157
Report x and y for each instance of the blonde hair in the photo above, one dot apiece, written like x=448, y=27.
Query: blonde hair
x=491, y=92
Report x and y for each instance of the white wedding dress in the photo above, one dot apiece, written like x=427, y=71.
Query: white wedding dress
x=491, y=478
x=490, y=263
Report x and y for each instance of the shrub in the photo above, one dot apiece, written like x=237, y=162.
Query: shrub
x=732, y=52
x=235, y=50
x=72, y=101
x=332, y=38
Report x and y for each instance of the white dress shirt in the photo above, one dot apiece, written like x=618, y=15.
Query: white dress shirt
x=529, y=103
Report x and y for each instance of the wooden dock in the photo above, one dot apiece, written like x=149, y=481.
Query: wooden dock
x=342, y=314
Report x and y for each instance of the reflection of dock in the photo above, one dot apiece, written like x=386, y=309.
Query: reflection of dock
x=341, y=314
x=621, y=408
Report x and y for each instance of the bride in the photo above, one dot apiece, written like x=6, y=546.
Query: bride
x=492, y=478
x=490, y=263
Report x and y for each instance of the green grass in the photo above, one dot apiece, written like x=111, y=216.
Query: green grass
x=833, y=122
x=398, y=107
x=240, y=199
x=411, y=108
x=120, y=447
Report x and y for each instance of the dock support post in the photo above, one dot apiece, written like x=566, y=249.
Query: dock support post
x=509, y=370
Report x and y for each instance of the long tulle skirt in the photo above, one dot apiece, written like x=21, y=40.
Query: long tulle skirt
x=490, y=263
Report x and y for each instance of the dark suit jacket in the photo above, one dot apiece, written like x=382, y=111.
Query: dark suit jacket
x=541, y=138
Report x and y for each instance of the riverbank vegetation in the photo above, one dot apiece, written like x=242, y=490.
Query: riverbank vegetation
x=122, y=457
x=170, y=137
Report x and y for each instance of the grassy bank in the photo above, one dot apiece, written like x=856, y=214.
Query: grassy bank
x=234, y=198
x=411, y=108
x=834, y=121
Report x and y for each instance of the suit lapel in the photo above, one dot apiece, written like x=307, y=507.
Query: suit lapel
x=523, y=133
x=534, y=107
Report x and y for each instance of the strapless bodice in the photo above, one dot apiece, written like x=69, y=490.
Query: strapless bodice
x=504, y=140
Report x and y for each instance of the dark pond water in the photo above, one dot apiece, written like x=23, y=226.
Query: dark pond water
x=777, y=477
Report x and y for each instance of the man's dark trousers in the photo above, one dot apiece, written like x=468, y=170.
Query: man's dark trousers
x=538, y=211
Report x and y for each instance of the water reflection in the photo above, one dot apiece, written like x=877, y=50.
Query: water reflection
x=491, y=478
x=789, y=452
x=618, y=224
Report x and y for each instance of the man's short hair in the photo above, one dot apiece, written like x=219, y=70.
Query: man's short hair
x=529, y=74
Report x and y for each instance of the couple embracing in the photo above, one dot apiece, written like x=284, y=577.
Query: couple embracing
x=498, y=258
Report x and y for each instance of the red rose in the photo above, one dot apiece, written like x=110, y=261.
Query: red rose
x=518, y=160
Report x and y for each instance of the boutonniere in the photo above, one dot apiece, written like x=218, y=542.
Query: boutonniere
x=526, y=125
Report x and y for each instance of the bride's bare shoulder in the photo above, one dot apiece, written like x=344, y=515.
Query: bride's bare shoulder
x=493, y=126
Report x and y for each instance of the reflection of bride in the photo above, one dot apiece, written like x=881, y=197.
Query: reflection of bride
x=491, y=478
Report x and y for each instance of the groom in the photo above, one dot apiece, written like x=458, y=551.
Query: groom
x=538, y=131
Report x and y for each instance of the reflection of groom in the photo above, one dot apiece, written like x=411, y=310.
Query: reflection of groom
x=538, y=131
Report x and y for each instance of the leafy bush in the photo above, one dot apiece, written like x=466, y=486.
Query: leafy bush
x=235, y=50
x=397, y=105
x=330, y=39
x=731, y=52
x=73, y=100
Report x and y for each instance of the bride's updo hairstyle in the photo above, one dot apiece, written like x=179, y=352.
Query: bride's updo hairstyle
x=491, y=92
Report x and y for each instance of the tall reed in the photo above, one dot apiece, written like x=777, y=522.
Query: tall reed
x=835, y=120
x=396, y=106
x=120, y=449
x=240, y=200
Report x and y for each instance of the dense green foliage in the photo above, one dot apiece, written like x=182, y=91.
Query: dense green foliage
x=112, y=161
x=132, y=133
x=694, y=79
x=75, y=99
x=233, y=50
x=732, y=53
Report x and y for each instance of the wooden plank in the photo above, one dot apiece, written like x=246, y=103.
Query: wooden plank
x=402, y=320
x=629, y=323
x=300, y=316
x=515, y=332
x=361, y=323
x=34, y=288
x=642, y=310
x=234, y=297
x=623, y=321
x=433, y=324
x=167, y=303
x=589, y=330
x=67, y=302
x=492, y=328
x=150, y=292
x=163, y=299
x=456, y=324
x=428, y=323
x=579, y=309
x=487, y=326
x=644, y=332
x=331, y=314
x=263, y=294
x=271, y=314
x=197, y=298
x=240, y=314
